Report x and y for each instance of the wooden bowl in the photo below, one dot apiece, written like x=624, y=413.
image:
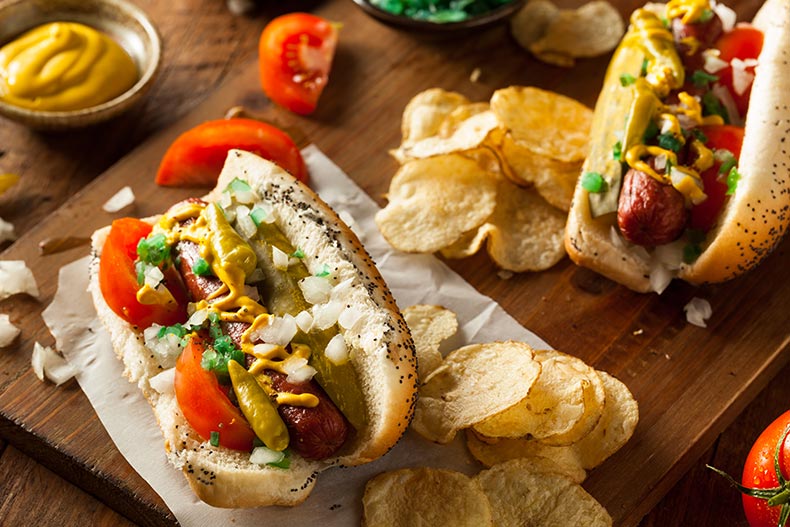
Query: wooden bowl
x=124, y=22
x=490, y=18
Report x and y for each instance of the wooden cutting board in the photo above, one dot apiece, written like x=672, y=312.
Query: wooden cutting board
x=690, y=382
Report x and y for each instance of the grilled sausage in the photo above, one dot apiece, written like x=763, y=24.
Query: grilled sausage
x=649, y=212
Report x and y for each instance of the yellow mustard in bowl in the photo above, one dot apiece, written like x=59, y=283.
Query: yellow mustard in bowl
x=63, y=66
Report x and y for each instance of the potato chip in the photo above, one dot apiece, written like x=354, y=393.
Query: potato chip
x=466, y=135
x=434, y=201
x=532, y=21
x=521, y=497
x=527, y=233
x=545, y=122
x=492, y=451
x=560, y=400
x=429, y=326
x=615, y=428
x=591, y=30
x=460, y=114
x=474, y=383
x=554, y=180
x=425, y=112
x=469, y=243
x=426, y=497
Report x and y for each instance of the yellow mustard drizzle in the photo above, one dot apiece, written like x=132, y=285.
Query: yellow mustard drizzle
x=689, y=11
x=147, y=295
x=232, y=260
x=64, y=66
x=665, y=70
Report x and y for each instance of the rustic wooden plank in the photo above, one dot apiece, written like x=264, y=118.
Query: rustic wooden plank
x=686, y=399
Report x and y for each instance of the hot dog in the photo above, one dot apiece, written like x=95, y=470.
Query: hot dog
x=687, y=174
x=285, y=339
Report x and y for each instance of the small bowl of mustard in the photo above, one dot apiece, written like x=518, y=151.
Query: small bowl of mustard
x=73, y=63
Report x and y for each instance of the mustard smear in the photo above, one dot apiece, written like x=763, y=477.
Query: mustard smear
x=64, y=66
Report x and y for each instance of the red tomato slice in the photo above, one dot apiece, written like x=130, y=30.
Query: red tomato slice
x=295, y=55
x=197, y=156
x=728, y=137
x=118, y=278
x=744, y=41
x=759, y=471
x=205, y=405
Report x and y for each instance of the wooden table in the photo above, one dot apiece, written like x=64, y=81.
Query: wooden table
x=204, y=46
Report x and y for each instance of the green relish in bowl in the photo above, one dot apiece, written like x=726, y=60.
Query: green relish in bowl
x=439, y=11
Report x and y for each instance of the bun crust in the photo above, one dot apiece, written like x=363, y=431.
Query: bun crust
x=381, y=350
x=753, y=220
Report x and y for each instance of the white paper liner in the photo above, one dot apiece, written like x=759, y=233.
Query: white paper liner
x=337, y=497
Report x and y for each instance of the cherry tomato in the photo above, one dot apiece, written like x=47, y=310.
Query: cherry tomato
x=726, y=137
x=197, y=156
x=295, y=55
x=118, y=278
x=759, y=472
x=205, y=404
x=744, y=41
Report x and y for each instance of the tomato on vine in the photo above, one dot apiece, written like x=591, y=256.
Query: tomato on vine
x=765, y=484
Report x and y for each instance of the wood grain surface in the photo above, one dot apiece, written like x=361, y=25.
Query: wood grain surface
x=691, y=383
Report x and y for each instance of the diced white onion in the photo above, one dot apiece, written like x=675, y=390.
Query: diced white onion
x=340, y=291
x=724, y=95
x=47, y=363
x=660, y=277
x=726, y=15
x=279, y=330
x=264, y=456
x=349, y=317
x=6, y=231
x=264, y=350
x=316, y=289
x=252, y=292
x=15, y=278
x=229, y=213
x=660, y=162
x=245, y=196
x=197, y=318
x=713, y=64
x=298, y=370
x=280, y=259
x=244, y=223
x=166, y=350
x=269, y=216
x=326, y=315
x=336, y=350
x=8, y=331
x=741, y=79
x=122, y=198
x=164, y=381
x=225, y=200
x=304, y=320
x=153, y=276
x=698, y=310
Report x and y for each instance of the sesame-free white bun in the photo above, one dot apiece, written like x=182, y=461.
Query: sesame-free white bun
x=753, y=220
x=381, y=351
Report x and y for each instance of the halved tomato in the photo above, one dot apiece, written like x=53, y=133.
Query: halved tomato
x=743, y=42
x=118, y=278
x=205, y=404
x=196, y=157
x=295, y=55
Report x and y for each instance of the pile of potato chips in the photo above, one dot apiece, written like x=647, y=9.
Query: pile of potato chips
x=499, y=174
x=559, y=36
x=538, y=418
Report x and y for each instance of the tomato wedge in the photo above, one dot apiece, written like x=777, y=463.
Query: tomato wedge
x=118, y=278
x=295, y=55
x=205, y=404
x=743, y=42
x=726, y=137
x=196, y=157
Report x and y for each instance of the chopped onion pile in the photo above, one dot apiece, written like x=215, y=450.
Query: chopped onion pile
x=326, y=315
x=298, y=370
x=8, y=331
x=47, y=363
x=279, y=330
x=698, y=310
x=16, y=278
x=121, y=199
x=165, y=349
x=316, y=289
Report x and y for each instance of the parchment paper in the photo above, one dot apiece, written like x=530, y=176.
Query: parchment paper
x=336, y=499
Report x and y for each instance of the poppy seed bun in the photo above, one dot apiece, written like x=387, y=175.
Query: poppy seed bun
x=753, y=220
x=381, y=351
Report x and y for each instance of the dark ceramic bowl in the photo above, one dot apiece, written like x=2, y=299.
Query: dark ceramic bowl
x=121, y=20
x=487, y=19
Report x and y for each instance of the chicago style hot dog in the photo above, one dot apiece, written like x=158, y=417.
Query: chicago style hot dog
x=688, y=172
x=261, y=333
